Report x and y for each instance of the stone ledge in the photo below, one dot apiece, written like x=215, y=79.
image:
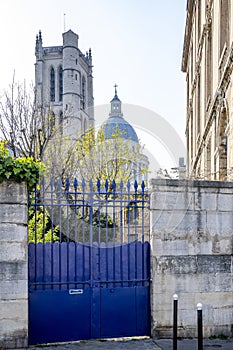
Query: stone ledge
x=191, y=183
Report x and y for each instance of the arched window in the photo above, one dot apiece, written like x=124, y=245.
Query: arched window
x=52, y=85
x=209, y=66
x=83, y=93
x=224, y=25
x=208, y=161
x=223, y=146
x=60, y=74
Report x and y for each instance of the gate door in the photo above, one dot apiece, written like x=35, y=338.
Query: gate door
x=89, y=262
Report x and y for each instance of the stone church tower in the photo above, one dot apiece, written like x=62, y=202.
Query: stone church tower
x=64, y=83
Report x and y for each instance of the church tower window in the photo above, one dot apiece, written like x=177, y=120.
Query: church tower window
x=60, y=73
x=52, y=85
x=83, y=94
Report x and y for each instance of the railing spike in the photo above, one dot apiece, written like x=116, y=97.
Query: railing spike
x=98, y=185
x=75, y=184
x=114, y=185
x=106, y=185
x=67, y=184
x=135, y=185
x=143, y=186
x=121, y=185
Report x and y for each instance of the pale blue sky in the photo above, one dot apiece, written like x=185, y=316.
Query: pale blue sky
x=135, y=43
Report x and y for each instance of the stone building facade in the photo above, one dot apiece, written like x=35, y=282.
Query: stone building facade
x=207, y=62
x=64, y=83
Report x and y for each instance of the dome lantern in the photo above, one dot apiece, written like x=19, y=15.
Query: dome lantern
x=117, y=121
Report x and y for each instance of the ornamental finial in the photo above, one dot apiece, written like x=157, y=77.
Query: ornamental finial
x=115, y=86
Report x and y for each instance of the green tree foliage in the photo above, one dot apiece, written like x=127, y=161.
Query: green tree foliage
x=39, y=226
x=93, y=156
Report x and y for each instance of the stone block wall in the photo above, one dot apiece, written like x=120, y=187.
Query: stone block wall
x=13, y=265
x=192, y=247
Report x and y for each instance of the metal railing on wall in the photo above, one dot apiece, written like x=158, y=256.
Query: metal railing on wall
x=89, y=212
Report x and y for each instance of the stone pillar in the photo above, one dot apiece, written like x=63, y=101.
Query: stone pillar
x=192, y=227
x=13, y=265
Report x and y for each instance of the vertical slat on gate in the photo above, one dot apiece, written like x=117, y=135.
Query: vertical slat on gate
x=79, y=263
x=47, y=262
x=56, y=263
x=110, y=263
x=132, y=261
x=103, y=268
x=64, y=267
x=39, y=265
x=71, y=266
x=138, y=262
x=125, y=264
x=118, y=262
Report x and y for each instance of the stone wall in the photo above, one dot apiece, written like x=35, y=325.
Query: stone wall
x=192, y=246
x=13, y=266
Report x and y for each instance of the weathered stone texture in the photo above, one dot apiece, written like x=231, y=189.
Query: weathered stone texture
x=192, y=255
x=13, y=266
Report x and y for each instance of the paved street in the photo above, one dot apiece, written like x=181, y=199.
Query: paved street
x=142, y=344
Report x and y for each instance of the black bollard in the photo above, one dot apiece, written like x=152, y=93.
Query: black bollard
x=175, y=312
x=199, y=326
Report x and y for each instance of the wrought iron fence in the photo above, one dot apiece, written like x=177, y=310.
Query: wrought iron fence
x=89, y=212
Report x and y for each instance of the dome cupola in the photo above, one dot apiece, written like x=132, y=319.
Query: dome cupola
x=116, y=121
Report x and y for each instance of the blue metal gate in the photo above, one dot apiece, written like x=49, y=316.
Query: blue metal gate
x=89, y=262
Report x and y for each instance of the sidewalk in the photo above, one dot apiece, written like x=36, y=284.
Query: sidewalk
x=142, y=344
x=191, y=344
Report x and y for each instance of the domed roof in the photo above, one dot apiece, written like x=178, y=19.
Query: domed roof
x=116, y=122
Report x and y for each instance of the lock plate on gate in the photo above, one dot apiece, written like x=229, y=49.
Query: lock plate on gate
x=75, y=291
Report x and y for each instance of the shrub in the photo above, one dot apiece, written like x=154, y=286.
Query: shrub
x=19, y=169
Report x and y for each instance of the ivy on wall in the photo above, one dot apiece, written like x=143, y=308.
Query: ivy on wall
x=19, y=169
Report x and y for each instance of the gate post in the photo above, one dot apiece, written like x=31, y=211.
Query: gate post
x=13, y=265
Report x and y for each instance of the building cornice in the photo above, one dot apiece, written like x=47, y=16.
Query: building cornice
x=187, y=35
